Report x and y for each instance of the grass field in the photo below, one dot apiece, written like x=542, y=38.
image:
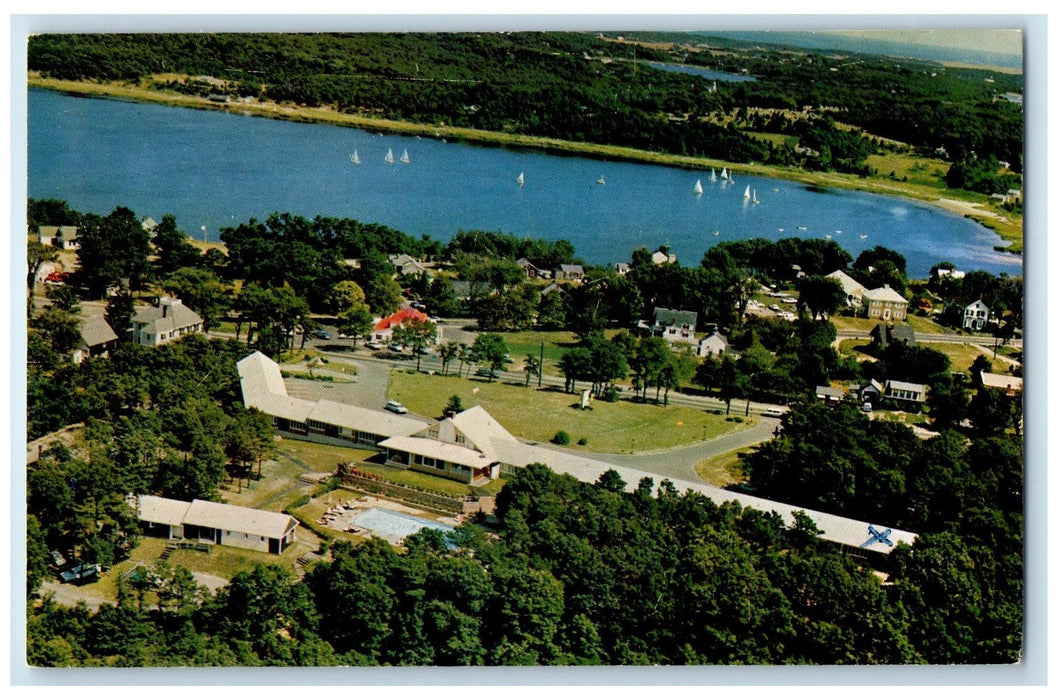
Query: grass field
x=918, y=170
x=621, y=427
x=919, y=323
x=556, y=344
x=722, y=470
x=962, y=354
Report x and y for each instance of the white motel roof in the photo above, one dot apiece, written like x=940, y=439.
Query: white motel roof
x=223, y=516
x=259, y=374
x=1001, y=381
x=428, y=447
x=155, y=509
x=367, y=420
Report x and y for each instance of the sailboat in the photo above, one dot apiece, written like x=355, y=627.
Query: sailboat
x=521, y=179
x=355, y=158
x=746, y=195
x=404, y=158
x=601, y=180
x=389, y=156
x=698, y=187
x=723, y=174
x=755, y=200
x=712, y=176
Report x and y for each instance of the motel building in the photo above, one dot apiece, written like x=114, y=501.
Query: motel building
x=216, y=523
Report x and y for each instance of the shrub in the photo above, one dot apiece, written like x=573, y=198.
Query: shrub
x=297, y=503
x=582, y=441
x=561, y=438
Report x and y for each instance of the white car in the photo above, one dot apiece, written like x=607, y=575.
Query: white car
x=396, y=407
x=773, y=412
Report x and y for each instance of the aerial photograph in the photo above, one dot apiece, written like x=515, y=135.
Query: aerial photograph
x=580, y=347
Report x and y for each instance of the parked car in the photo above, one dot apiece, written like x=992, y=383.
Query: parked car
x=321, y=334
x=773, y=412
x=372, y=345
x=396, y=407
x=774, y=307
x=395, y=347
x=57, y=558
x=487, y=372
x=343, y=336
x=82, y=572
x=866, y=407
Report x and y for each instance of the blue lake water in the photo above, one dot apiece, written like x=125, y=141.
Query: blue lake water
x=216, y=169
x=703, y=72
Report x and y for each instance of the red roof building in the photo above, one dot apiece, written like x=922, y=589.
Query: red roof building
x=383, y=330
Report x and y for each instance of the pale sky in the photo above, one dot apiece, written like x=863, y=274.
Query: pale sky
x=1001, y=41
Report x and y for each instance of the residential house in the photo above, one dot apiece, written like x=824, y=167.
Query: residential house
x=674, y=325
x=853, y=289
x=530, y=270
x=943, y=272
x=885, y=334
x=1011, y=386
x=407, y=265
x=975, y=316
x=96, y=339
x=871, y=392
x=621, y=268
x=713, y=344
x=217, y=523
x=885, y=303
x=829, y=394
x=905, y=394
x=62, y=237
x=383, y=330
x=569, y=272
x=660, y=257
x=163, y=323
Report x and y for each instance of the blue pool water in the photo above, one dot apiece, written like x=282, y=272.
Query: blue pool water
x=393, y=526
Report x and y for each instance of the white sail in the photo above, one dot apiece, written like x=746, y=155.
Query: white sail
x=601, y=180
x=723, y=173
x=355, y=158
x=698, y=187
x=521, y=179
x=404, y=158
x=746, y=195
x=712, y=176
x=389, y=156
x=755, y=200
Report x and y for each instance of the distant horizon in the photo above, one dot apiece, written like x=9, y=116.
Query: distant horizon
x=1000, y=48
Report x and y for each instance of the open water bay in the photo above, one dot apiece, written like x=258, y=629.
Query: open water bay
x=217, y=169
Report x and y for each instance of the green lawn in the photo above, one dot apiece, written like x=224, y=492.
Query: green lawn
x=919, y=323
x=621, y=427
x=722, y=470
x=962, y=355
x=918, y=170
x=228, y=561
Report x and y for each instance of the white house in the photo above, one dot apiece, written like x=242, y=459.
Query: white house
x=714, y=344
x=62, y=237
x=660, y=257
x=674, y=325
x=975, y=316
x=906, y=392
x=1004, y=382
x=164, y=323
x=853, y=289
x=407, y=265
x=569, y=272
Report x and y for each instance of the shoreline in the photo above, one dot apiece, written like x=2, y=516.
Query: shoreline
x=1009, y=230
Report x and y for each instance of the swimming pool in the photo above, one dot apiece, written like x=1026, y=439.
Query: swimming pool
x=393, y=526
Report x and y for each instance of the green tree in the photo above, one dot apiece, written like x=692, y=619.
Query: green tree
x=820, y=296
x=356, y=322
x=201, y=290
x=490, y=349
x=416, y=334
x=173, y=248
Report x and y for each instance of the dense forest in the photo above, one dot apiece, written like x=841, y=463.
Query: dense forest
x=593, y=88
x=574, y=574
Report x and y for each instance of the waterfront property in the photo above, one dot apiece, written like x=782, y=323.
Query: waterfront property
x=674, y=325
x=853, y=289
x=885, y=303
x=61, y=237
x=216, y=523
x=163, y=323
x=95, y=339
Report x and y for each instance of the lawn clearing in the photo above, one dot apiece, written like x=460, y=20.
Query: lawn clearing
x=621, y=427
x=906, y=167
x=962, y=355
x=556, y=344
x=919, y=323
x=722, y=470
